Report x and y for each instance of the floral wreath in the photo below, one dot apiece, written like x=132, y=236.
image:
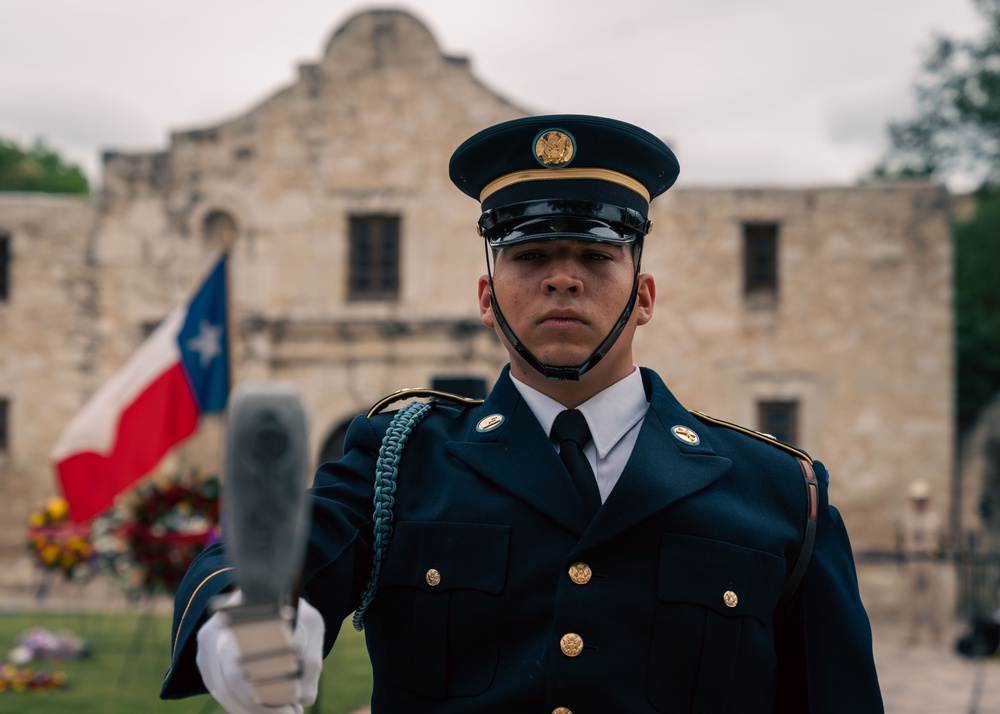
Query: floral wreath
x=23, y=679
x=149, y=538
x=58, y=544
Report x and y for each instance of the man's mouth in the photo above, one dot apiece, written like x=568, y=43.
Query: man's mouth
x=561, y=318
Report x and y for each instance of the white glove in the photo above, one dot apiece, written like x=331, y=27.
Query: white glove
x=218, y=661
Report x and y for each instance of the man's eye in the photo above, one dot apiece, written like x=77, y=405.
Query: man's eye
x=597, y=256
x=528, y=255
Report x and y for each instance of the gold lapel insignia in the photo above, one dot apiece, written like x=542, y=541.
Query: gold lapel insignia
x=489, y=423
x=683, y=433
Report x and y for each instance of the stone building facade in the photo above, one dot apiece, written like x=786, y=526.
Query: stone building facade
x=822, y=313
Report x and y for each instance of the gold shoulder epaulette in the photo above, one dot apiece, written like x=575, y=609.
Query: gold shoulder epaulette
x=433, y=394
x=755, y=434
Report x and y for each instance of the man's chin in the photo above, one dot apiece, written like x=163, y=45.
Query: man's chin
x=563, y=359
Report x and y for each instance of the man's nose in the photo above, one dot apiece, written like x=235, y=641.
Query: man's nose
x=563, y=277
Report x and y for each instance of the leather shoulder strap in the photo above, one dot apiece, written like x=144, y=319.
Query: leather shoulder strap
x=809, y=538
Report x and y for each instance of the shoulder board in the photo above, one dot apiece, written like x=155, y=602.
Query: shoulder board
x=759, y=435
x=432, y=394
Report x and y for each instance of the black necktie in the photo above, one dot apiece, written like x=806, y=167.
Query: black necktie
x=571, y=432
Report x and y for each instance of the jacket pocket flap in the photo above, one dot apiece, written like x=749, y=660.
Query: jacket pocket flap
x=439, y=557
x=730, y=579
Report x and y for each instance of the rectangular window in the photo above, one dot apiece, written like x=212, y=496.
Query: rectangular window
x=780, y=419
x=373, y=258
x=4, y=266
x=760, y=259
x=3, y=426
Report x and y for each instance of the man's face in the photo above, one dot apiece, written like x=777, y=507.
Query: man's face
x=562, y=298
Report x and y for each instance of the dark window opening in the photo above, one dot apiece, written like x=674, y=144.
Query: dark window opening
x=373, y=258
x=760, y=259
x=470, y=387
x=780, y=419
x=4, y=441
x=4, y=266
x=219, y=230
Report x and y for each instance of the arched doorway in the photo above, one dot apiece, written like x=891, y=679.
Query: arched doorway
x=333, y=447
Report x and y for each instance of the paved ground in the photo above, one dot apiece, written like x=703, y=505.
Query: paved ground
x=932, y=679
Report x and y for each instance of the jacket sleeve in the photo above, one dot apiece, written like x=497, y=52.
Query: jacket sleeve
x=208, y=576
x=335, y=569
x=823, y=636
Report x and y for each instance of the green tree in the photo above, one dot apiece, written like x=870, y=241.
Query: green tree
x=956, y=133
x=956, y=130
x=977, y=307
x=38, y=169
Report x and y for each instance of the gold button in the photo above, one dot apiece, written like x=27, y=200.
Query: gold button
x=580, y=573
x=729, y=597
x=571, y=644
x=433, y=577
x=562, y=710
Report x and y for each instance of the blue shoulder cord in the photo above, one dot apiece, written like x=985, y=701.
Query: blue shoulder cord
x=386, y=470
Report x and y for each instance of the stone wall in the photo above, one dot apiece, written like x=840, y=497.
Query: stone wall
x=49, y=341
x=860, y=334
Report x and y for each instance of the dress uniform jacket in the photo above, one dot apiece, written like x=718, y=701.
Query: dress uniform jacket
x=498, y=594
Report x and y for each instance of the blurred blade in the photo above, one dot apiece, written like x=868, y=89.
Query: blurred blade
x=265, y=525
x=264, y=506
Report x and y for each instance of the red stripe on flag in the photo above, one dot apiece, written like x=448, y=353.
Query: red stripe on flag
x=164, y=414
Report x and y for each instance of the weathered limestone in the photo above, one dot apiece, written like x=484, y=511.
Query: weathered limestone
x=860, y=334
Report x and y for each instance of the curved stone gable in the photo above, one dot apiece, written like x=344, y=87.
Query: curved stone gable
x=379, y=39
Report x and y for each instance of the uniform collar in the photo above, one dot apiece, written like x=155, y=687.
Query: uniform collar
x=610, y=414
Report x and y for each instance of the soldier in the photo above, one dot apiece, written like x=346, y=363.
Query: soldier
x=579, y=542
x=920, y=539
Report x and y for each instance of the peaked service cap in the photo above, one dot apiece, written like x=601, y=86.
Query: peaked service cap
x=563, y=176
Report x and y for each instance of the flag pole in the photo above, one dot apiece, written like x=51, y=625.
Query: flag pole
x=229, y=239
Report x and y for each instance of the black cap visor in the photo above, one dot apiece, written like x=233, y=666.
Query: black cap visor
x=561, y=220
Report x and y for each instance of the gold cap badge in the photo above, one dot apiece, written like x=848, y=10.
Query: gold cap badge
x=554, y=148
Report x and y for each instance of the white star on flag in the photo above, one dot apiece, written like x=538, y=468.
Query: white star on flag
x=208, y=343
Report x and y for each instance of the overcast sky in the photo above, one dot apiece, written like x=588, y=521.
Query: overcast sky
x=747, y=92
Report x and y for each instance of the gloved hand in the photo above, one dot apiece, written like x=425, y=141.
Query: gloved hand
x=218, y=661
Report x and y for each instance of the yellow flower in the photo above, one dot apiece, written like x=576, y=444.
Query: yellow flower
x=57, y=508
x=50, y=554
x=37, y=519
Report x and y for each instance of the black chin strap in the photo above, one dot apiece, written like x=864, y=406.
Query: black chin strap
x=567, y=373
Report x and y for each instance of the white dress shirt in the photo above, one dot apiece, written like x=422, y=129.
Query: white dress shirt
x=614, y=417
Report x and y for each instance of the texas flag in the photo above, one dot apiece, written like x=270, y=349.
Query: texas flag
x=153, y=402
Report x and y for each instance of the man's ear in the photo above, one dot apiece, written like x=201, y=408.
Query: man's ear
x=645, y=297
x=485, y=304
